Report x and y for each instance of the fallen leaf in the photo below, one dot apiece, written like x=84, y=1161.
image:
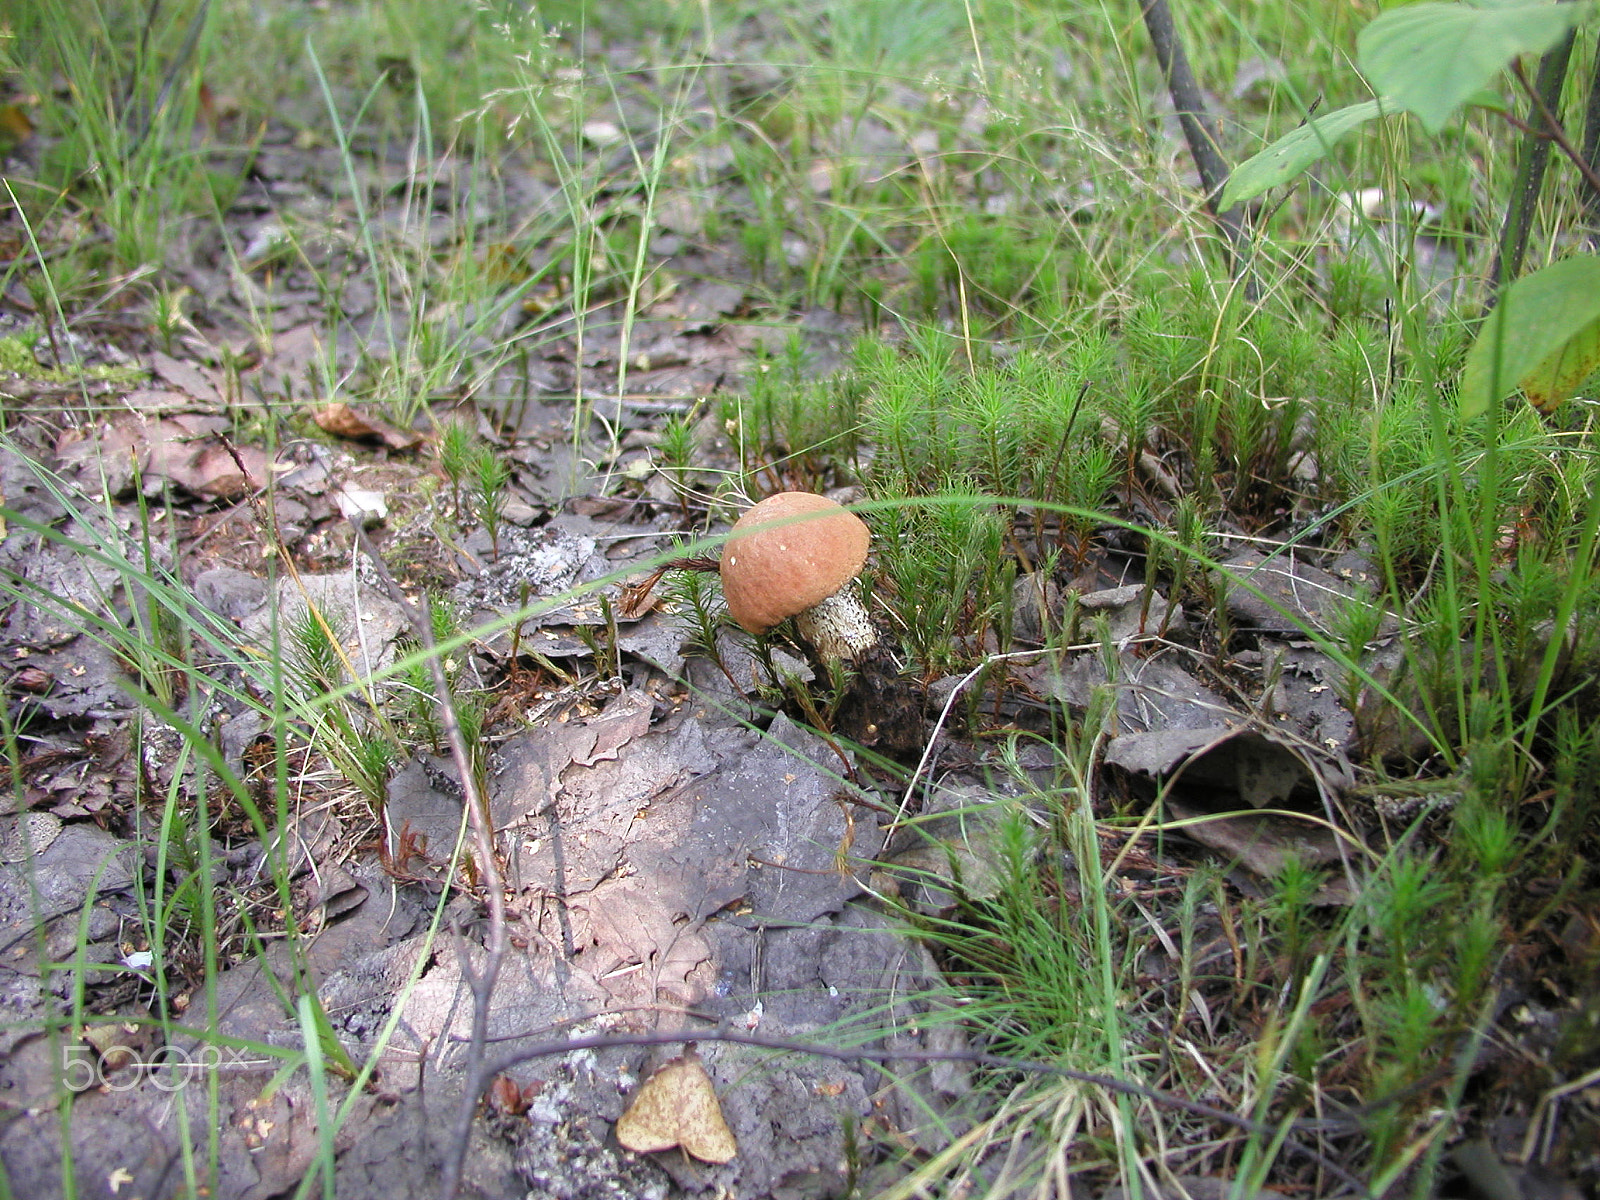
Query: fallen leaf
x=625, y=718
x=339, y=419
x=622, y=924
x=1216, y=780
x=1488, y=1174
x=1227, y=766
x=144, y=449
x=28, y=835
x=211, y=471
x=677, y=1106
x=186, y=377
x=116, y=1043
x=16, y=126
x=508, y=1098
x=32, y=679
x=1263, y=844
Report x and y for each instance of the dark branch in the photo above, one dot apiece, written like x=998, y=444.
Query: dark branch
x=1533, y=157
x=1591, y=156
x=1199, y=130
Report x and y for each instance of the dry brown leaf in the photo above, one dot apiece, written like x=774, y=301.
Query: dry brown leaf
x=677, y=1106
x=186, y=377
x=508, y=1098
x=339, y=419
x=16, y=126
x=214, y=473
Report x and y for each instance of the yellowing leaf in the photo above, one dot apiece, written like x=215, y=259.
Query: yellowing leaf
x=1538, y=318
x=1553, y=382
x=15, y=125
x=677, y=1106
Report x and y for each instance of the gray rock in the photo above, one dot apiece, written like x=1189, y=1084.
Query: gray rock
x=229, y=592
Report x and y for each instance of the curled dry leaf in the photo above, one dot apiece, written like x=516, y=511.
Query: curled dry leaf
x=339, y=419
x=508, y=1098
x=677, y=1106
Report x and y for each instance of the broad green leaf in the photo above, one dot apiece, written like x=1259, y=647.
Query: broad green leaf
x=1429, y=59
x=1293, y=153
x=1554, y=381
x=1541, y=322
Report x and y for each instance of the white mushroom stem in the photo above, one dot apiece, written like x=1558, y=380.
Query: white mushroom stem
x=838, y=626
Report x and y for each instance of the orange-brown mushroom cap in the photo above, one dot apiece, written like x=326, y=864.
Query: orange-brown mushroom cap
x=770, y=571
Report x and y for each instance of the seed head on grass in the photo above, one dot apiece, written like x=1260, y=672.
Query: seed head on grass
x=167, y=315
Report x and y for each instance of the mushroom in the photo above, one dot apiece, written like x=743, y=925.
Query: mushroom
x=797, y=554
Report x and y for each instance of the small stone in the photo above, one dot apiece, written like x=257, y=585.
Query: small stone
x=516, y=512
x=365, y=508
x=229, y=592
x=29, y=834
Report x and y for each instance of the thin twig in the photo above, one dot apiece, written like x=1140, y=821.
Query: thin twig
x=878, y=1057
x=1557, y=132
x=481, y=983
x=1591, y=155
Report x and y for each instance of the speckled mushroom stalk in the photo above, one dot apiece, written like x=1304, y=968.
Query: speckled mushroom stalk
x=838, y=626
x=797, y=554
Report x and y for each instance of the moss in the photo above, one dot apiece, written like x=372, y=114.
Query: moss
x=16, y=358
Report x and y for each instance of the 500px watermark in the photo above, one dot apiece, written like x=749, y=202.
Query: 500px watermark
x=121, y=1068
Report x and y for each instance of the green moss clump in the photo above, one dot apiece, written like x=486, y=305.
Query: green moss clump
x=16, y=358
